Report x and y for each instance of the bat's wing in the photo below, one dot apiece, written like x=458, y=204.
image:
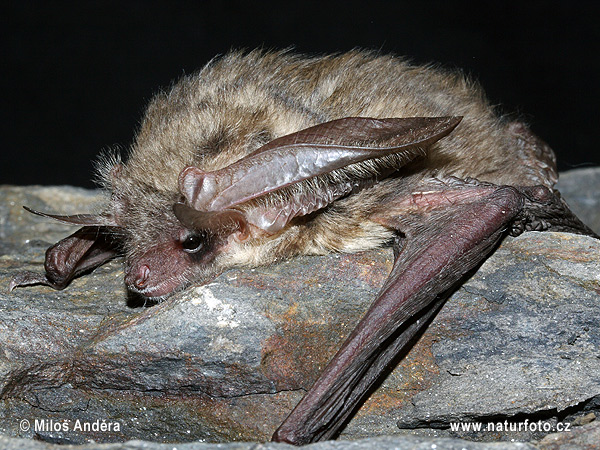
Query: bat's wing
x=443, y=233
x=86, y=249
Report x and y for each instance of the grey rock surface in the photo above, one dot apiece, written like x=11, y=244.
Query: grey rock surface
x=379, y=443
x=581, y=190
x=227, y=361
x=582, y=437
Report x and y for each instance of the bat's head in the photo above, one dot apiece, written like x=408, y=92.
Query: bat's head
x=166, y=244
x=164, y=259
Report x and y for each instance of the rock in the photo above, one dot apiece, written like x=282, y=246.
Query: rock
x=227, y=361
x=585, y=437
x=530, y=343
x=581, y=190
x=377, y=443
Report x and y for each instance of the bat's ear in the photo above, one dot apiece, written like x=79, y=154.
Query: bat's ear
x=217, y=223
x=98, y=220
x=191, y=185
x=307, y=154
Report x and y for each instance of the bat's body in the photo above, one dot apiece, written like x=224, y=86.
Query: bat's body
x=261, y=157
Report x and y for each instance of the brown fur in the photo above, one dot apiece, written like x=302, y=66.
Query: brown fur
x=241, y=101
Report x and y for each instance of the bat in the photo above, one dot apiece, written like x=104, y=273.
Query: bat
x=264, y=156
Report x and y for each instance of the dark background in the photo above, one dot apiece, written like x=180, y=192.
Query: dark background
x=77, y=75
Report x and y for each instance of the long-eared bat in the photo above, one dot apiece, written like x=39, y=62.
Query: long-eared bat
x=262, y=156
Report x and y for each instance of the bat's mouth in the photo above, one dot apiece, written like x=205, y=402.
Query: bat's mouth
x=154, y=291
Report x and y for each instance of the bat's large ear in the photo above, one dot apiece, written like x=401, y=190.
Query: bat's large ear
x=98, y=220
x=307, y=154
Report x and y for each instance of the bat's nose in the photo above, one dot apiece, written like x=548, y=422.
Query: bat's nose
x=142, y=276
x=138, y=277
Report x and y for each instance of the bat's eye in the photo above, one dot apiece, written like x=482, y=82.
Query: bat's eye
x=192, y=243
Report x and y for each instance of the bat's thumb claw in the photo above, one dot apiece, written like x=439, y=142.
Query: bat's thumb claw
x=280, y=437
x=288, y=434
x=27, y=279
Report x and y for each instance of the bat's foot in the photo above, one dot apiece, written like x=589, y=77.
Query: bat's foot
x=545, y=210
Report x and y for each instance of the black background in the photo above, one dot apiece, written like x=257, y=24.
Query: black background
x=77, y=75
